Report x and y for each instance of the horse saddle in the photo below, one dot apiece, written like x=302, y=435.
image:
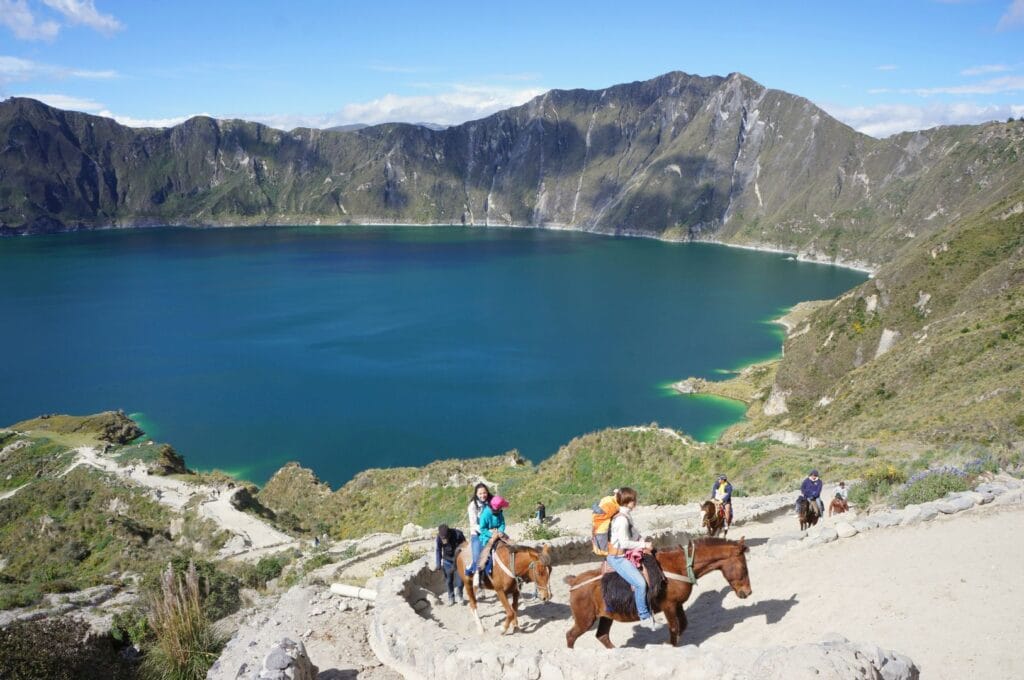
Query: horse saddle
x=487, y=554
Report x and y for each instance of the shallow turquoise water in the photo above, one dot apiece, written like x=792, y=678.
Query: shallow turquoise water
x=348, y=348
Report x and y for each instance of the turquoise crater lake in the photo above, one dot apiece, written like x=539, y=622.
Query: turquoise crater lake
x=353, y=347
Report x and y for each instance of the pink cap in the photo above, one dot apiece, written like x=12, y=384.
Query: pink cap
x=497, y=503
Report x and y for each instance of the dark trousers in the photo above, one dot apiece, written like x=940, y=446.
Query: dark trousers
x=451, y=579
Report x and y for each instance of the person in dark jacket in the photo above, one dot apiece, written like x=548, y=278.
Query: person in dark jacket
x=448, y=540
x=811, y=490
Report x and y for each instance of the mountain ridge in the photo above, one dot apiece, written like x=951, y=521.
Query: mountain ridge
x=677, y=157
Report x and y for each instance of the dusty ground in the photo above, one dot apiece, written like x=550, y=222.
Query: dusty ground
x=335, y=640
x=947, y=593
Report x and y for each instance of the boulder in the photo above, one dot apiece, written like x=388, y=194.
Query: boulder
x=845, y=530
x=411, y=530
x=912, y=514
x=822, y=536
x=888, y=519
x=287, y=660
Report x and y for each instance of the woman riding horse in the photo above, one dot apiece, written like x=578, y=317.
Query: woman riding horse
x=511, y=566
x=681, y=566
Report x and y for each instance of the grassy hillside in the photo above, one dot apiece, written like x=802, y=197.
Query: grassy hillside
x=63, y=531
x=952, y=312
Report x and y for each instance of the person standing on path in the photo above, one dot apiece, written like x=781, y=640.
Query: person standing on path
x=448, y=541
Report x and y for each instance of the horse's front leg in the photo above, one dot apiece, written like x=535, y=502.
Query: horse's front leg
x=467, y=585
x=681, y=619
x=509, y=614
x=515, y=609
x=673, y=623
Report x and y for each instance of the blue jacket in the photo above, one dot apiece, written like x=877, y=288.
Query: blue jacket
x=811, y=489
x=728, y=491
x=489, y=521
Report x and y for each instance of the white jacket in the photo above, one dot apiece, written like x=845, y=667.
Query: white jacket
x=473, y=511
x=624, y=535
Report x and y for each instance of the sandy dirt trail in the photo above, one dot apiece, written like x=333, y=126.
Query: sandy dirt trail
x=948, y=593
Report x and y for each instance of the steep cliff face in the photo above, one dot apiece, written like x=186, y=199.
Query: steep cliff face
x=678, y=156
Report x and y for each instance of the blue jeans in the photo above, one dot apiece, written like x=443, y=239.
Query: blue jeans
x=474, y=541
x=633, y=577
x=451, y=579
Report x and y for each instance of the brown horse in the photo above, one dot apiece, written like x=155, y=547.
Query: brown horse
x=838, y=506
x=714, y=519
x=807, y=512
x=513, y=565
x=681, y=566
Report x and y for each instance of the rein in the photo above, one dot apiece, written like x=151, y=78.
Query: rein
x=510, y=570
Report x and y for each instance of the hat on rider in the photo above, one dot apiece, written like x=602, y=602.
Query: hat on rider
x=498, y=502
x=814, y=473
x=721, y=477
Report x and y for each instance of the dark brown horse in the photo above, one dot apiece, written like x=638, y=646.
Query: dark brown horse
x=838, y=506
x=705, y=555
x=714, y=519
x=513, y=565
x=807, y=512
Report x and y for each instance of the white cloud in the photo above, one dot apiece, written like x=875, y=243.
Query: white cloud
x=888, y=119
x=886, y=67
x=1013, y=18
x=985, y=68
x=16, y=15
x=15, y=69
x=63, y=101
x=990, y=86
x=459, y=104
x=84, y=12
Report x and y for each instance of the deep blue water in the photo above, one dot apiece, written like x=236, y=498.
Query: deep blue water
x=348, y=348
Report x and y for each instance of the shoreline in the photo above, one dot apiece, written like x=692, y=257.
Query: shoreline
x=797, y=256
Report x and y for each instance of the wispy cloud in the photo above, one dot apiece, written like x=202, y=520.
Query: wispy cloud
x=886, y=67
x=16, y=15
x=990, y=86
x=84, y=12
x=395, y=68
x=888, y=119
x=1013, y=17
x=456, y=105
x=985, y=69
x=63, y=101
x=15, y=69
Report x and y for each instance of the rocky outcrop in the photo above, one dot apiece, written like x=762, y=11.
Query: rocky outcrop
x=287, y=660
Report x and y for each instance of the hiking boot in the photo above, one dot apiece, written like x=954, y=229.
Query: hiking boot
x=451, y=601
x=649, y=623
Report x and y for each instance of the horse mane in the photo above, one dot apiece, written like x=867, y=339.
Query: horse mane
x=545, y=558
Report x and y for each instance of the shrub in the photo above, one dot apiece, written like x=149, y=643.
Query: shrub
x=404, y=556
x=930, y=485
x=220, y=591
x=58, y=649
x=541, y=532
x=185, y=644
x=130, y=627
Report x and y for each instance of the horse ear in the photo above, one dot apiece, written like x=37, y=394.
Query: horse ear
x=743, y=547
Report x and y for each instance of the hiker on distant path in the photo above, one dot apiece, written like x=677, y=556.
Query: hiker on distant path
x=623, y=538
x=721, y=493
x=448, y=541
x=811, y=490
x=542, y=512
x=481, y=497
x=842, y=492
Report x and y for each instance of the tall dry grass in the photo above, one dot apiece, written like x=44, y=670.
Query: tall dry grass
x=185, y=644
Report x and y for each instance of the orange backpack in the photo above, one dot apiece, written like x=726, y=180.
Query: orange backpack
x=604, y=510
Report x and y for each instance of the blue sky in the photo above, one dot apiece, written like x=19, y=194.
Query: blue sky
x=881, y=67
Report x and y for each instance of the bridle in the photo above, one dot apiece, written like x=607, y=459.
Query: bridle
x=531, y=570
